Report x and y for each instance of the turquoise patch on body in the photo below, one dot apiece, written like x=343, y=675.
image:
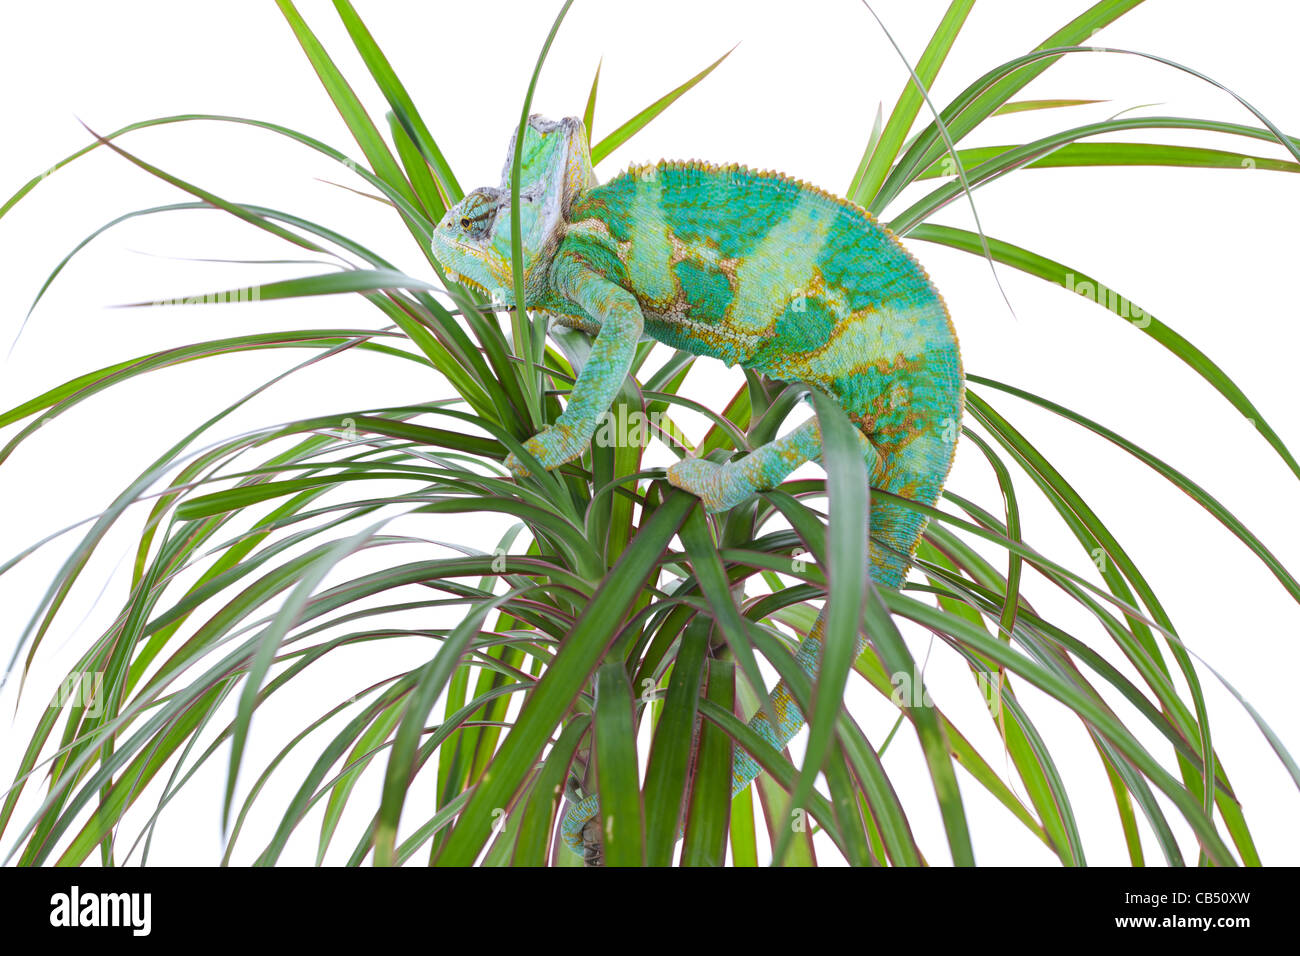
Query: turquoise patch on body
x=733, y=212
x=729, y=211
x=796, y=334
x=806, y=329
x=861, y=259
x=706, y=288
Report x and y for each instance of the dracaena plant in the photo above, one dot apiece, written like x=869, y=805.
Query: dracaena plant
x=614, y=609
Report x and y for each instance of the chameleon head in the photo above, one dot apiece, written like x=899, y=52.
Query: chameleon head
x=472, y=242
x=468, y=241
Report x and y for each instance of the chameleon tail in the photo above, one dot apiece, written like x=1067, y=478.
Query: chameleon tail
x=895, y=531
x=782, y=706
x=575, y=821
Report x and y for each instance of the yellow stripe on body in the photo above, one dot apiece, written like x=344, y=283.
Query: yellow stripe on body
x=777, y=269
x=648, y=255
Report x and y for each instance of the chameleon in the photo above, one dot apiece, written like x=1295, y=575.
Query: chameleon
x=753, y=268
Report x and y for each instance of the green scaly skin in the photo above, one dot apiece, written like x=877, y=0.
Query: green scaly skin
x=752, y=268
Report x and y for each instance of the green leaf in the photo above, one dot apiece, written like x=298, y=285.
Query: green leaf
x=429, y=685
x=1175, y=477
x=744, y=836
x=589, y=114
x=638, y=122
x=332, y=283
x=539, y=816
x=622, y=817
x=1021, y=106
x=1043, y=149
x=881, y=153
x=1122, y=154
x=710, y=799
x=990, y=92
x=403, y=107
x=714, y=583
x=270, y=642
x=670, y=751
x=346, y=101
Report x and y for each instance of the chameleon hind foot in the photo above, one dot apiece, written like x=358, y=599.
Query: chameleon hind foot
x=707, y=481
x=724, y=486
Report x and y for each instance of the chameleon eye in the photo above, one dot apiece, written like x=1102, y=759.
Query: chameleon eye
x=464, y=224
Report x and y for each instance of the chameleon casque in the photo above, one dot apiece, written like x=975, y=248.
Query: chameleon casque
x=753, y=268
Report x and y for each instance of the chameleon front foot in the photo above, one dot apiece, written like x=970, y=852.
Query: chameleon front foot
x=713, y=484
x=552, y=447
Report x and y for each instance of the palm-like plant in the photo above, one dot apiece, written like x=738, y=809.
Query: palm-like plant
x=612, y=609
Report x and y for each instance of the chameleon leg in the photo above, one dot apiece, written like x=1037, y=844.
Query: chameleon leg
x=601, y=378
x=724, y=486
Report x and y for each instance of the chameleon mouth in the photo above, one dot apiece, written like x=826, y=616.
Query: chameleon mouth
x=465, y=280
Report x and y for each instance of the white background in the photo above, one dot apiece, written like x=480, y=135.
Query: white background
x=1210, y=252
